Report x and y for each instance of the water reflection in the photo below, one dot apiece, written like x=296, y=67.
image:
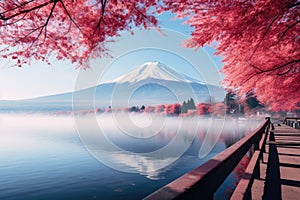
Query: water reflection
x=138, y=152
x=45, y=152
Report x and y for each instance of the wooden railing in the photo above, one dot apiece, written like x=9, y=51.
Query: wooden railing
x=292, y=121
x=203, y=182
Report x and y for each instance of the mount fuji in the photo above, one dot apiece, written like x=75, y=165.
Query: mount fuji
x=148, y=84
x=153, y=70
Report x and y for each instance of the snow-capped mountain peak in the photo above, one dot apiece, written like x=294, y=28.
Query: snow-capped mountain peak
x=153, y=70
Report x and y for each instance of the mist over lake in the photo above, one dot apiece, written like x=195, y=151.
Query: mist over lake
x=47, y=156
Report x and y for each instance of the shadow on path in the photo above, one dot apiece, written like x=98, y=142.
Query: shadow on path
x=272, y=189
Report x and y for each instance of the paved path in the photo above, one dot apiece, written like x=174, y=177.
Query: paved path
x=280, y=168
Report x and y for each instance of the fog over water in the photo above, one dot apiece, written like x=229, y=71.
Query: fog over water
x=106, y=155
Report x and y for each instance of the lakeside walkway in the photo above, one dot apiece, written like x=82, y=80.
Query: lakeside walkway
x=279, y=176
x=272, y=173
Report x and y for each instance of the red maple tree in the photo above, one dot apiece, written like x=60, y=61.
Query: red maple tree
x=69, y=29
x=259, y=41
x=204, y=108
x=219, y=109
x=172, y=109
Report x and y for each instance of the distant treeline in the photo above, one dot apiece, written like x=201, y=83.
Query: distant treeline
x=232, y=104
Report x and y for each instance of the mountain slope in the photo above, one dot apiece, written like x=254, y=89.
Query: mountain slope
x=149, y=84
x=153, y=70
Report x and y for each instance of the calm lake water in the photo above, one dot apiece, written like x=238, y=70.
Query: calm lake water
x=44, y=157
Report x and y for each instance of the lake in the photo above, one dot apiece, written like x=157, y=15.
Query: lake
x=48, y=156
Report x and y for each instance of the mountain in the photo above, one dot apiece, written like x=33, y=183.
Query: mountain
x=153, y=70
x=149, y=84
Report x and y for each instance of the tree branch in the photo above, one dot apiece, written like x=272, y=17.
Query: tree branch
x=11, y=23
x=44, y=27
x=281, y=66
x=17, y=6
x=70, y=17
x=26, y=11
x=294, y=5
x=284, y=73
x=143, y=14
x=41, y=28
x=255, y=67
x=272, y=69
x=98, y=26
x=287, y=29
x=264, y=35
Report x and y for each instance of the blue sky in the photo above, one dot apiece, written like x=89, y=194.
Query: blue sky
x=128, y=52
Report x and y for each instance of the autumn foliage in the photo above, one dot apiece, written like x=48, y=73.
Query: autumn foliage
x=172, y=109
x=159, y=108
x=258, y=39
x=149, y=109
x=69, y=29
x=204, y=108
x=219, y=109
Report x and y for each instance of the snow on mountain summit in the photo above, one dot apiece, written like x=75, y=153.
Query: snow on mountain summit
x=153, y=70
